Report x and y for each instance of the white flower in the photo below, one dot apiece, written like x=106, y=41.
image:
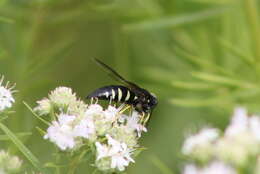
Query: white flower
x=8, y=163
x=62, y=97
x=77, y=107
x=121, y=158
x=84, y=128
x=191, y=169
x=6, y=97
x=61, y=132
x=103, y=120
x=13, y=164
x=254, y=127
x=115, y=151
x=111, y=113
x=241, y=140
x=215, y=167
x=122, y=133
x=61, y=100
x=235, y=151
x=94, y=109
x=133, y=123
x=242, y=124
x=68, y=128
x=204, y=138
x=239, y=122
x=102, y=150
x=119, y=153
x=44, y=107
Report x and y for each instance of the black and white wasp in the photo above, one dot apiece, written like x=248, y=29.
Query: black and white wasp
x=131, y=94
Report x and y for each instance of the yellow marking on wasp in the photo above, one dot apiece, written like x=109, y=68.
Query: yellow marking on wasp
x=113, y=94
x=127, y=96
x=119, y=94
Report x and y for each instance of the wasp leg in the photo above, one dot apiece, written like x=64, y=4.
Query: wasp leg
x=146, y=119
x=142, y=117
x=110, y=100
x=124, y=109
x=121, y=107
x=91, y=100
x=96, y=100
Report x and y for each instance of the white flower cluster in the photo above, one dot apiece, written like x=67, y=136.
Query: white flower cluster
x=61, y=100
x=113, y=134
x=237, y=149
x=9, y=164
x=215, y=167
x=6, y=97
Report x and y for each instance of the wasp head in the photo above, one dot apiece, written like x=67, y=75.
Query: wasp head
x=151, y=101
x=146, y=104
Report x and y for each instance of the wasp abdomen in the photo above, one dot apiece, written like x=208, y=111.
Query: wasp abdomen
x=114, y=93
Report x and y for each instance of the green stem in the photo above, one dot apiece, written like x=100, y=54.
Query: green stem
x=37, y=116
x=23, y=149
x=76, y=161
x=57, y=161
x=95, y=171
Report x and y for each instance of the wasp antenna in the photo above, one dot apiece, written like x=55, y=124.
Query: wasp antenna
x=99, y=62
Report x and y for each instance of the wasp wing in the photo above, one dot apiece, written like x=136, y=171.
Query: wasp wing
x=115, y=75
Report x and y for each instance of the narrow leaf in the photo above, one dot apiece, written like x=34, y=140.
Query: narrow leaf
x=193, y=85
x=160, y=165
x=199, y=102
x=173, y=21
x=236, y=51
x=42, y=132
x=21, y=134
x=222, y=80
x=27, y=153
x=204, y=63
x=36, y=115
x=6, y=20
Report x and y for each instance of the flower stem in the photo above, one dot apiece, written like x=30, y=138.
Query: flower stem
x=57, y=160
x=76, y=161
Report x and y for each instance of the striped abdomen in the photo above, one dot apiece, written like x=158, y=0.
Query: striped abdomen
x=114, y=93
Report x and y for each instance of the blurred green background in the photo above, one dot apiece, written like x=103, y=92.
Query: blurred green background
x=200, y=57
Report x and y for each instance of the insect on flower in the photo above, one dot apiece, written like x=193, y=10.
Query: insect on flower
x=140, y=99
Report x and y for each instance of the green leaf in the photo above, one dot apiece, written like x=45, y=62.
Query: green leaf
x=37, y=116
x=220, y=2
x=27, y=153
x=6, y=20
x=4, y=117
x=160, y=165
x=21, y=134
x=204, y=63
x=174, y=21
x=251, y=8
x=208, y=77
x=42, y=132
x=236, y=51
x=200, y=102
x=193, y=85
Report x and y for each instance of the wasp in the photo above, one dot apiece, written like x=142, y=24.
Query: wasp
x=128, y=93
